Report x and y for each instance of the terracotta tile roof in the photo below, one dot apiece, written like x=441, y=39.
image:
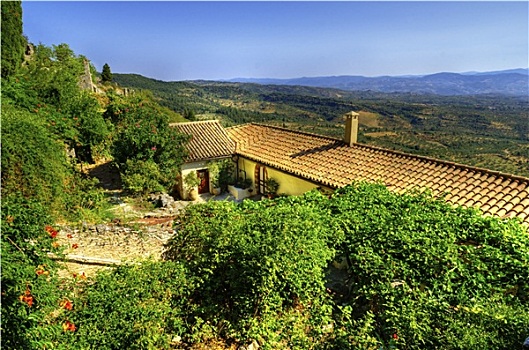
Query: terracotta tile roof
x=209, y=140
x=332, y=163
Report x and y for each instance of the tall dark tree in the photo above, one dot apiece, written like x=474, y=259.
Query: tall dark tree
x=13, y=42
x=106, y=74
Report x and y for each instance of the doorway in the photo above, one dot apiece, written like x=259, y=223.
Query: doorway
x=203, y=186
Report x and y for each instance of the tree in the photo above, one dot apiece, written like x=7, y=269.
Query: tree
x=106, y=74
x=13, y=42
x=146, y=149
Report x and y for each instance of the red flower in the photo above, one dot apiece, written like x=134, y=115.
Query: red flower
x=29, y=300
x=69, y=235
x=68, y=326
x=153, y=148
x=75, y=246
x=41, y=271
x=27, y=297
x=67, y=304
x=53, y=232
x=395, y=336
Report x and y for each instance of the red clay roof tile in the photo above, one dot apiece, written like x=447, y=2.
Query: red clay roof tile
x=331, y=162
x=209, y=140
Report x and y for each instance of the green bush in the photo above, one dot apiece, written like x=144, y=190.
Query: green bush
x=260, y=268
x=426, y=270
x=419, y=272
x=143, y=136
x=142, y=177
x=33, y=161
x=31, y=297
x=133, y=307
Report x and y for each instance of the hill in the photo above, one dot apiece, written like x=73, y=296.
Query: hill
x=490, y=131
x=509, y=82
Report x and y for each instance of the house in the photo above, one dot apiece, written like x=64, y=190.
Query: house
x=301, y=161
x=209, y=142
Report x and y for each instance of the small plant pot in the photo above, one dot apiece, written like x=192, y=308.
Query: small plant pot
x=216, y=191
x=193, y=195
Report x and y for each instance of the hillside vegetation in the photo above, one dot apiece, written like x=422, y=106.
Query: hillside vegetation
x=490, y=131
x=361, y=268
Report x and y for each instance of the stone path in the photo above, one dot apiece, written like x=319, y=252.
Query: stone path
x=91, y=248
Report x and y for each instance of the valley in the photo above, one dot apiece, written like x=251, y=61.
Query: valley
x=489, y=131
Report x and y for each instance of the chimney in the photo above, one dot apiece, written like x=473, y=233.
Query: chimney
x=351, y=128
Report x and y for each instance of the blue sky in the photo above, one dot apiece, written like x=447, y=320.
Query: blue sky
x=172, y=40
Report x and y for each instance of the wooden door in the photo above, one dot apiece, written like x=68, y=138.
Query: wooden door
x=203, y=175
x=261, y=175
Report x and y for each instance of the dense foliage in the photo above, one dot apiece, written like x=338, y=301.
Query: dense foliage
x=259, y=268
x=13, y=43
x=147, y=150
x=31, y=296
x=418, y=271
x=363, y=268
x=424, y=270
x=49, y=88
x=33, y=161
x=51, y=127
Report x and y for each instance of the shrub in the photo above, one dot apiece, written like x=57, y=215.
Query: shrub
x=427, y=270
x=255, y=262
x=33, y=161
x=30, y=290
x=143, y=136
x=142, y=177
x=133, y=307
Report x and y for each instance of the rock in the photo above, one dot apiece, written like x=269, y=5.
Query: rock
x=254, y=345
x=102, y=228
x=161, y=200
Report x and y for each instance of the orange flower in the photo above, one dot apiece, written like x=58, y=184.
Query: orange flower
x=67, y=304
x=41, y=271
x=56, y=244
x=26, y=297
x=69, y=235
x=53, y=232
x=68, y=326
x=75, y=246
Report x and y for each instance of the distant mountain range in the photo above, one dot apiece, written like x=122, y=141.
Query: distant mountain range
x=507, y=82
